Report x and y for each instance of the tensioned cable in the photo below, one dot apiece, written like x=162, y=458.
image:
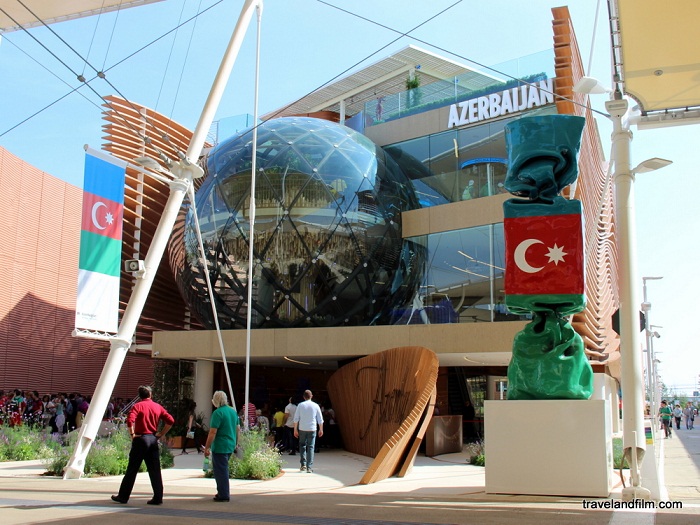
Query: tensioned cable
x=94, y=33
x=184, y=62
x=210, y=290
x=30, y=57
x=595, y=27
x=111, y=36
x=401, y=35
x=116, y=111
x=170, y=56
x=81, y=78
x=145, y=139
x=446, y=51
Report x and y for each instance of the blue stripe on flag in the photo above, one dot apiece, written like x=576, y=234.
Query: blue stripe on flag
x=104, y=179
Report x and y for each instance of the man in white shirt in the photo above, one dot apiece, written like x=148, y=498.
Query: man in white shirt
x=307, y=420
x=290, y=442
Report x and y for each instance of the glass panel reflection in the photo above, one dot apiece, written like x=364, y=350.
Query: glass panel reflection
x=327, y=240
x=456, y=165
x=464, y=279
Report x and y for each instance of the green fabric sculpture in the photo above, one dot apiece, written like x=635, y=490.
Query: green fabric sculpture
x=545, y=259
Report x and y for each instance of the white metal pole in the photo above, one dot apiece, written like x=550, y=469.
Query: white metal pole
x=634, y=442
x=217, y=88
x=185, y=171
x=646, y=307
x=121, y=343
x=251, y=234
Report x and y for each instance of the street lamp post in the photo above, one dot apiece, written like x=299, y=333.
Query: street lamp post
x=632, y=378
x=654, y=360
x=646, y=308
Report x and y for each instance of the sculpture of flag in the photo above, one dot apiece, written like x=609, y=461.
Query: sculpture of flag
x=99, y=267
x=544, y=256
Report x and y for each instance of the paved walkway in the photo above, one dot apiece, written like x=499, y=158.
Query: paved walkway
x=681, y=456
x=442, y=490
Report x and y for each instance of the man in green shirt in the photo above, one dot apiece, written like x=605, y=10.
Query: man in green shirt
x=665, y=412
x=224, y=430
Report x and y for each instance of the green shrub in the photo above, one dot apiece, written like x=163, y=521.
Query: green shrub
x=257, y=460
x=23, y=443
x=479, y=460
x=108, y=456
x=477, y=456
x=618, y=453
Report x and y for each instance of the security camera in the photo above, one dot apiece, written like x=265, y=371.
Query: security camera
x=134, y=266
x=617, y=108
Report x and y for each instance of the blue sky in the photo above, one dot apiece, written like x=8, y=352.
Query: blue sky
x=305, y=44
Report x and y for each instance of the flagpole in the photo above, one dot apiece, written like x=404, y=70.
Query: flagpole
x=185, y=171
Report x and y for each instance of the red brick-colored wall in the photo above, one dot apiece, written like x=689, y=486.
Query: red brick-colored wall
x=39, y=248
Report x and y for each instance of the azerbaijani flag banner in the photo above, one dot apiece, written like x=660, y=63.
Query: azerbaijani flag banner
x=99, y=267
x=544, y=253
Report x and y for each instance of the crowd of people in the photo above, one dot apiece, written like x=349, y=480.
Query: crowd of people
x=669, y=413
x=60, y=413
x=278, y=423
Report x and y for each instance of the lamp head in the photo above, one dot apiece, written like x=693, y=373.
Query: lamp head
x=652, y=164
x=590, y=86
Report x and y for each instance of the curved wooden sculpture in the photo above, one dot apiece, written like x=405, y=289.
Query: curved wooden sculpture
x=383, y=404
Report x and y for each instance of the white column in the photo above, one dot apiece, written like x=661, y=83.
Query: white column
x=204, y=388
x=634, y=441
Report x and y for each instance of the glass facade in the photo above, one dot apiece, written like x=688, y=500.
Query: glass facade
x=327, y=236
x=458, y=164
x=328, y=243
x=463, y=278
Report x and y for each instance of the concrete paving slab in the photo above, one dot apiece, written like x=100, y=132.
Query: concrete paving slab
x=444, y=489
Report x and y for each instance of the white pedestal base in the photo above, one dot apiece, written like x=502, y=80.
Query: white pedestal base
x=548, y=447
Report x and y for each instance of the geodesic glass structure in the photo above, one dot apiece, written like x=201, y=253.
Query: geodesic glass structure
x=327, y=234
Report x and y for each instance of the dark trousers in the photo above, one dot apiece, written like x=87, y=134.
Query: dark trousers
x=197, y=444
x=143, y=448
x=221, y=474
x=667, y=427
x=290, y=442
x=307, y=442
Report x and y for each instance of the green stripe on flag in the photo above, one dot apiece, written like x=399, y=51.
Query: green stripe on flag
x=100, y=254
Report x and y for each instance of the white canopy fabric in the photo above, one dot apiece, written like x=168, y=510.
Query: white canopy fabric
x=14, y=16
x=658, y=58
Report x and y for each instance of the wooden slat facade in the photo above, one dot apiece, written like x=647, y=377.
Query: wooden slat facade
x=602, y=343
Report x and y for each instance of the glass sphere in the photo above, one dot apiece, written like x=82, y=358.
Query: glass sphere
x=327, y=233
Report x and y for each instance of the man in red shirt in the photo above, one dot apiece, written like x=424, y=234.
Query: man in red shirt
x=142, y=423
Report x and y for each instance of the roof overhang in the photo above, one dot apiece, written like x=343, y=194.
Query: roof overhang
x=15, y=17
x=657, y=59
x=382, y=78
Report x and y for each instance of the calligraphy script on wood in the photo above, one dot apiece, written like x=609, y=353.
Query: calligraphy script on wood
x=389, y=405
